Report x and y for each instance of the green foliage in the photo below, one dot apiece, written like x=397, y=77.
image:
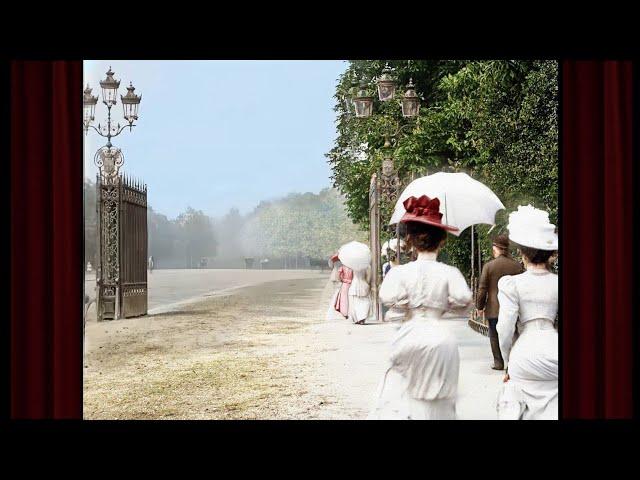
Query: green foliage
x=496, y=120
x=196, y=235
x=308, y=224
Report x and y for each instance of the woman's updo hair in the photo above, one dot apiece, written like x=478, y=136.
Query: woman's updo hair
x=424, y=237
x=535, y=256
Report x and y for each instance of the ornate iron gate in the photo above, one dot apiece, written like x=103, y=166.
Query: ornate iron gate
x=121, y=275
x=374, y=242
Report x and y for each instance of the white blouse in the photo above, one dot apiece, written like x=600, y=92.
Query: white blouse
x=525, y=297
x=426, y=283
x=360, y=283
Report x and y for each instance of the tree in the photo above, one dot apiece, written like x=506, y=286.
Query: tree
x=300, y=225
x=229, y=230
x=496, y=120
x=90, y=226
x=196, y=235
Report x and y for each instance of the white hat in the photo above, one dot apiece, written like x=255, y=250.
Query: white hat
x=530, y=227
x=393, y=246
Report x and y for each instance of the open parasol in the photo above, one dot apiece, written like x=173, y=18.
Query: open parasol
x=355, y=255
x=464, y=201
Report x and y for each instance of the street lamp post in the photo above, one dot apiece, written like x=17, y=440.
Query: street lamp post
x=109, y=204
x=108, y=158
x=385, y=185
x=410, y=107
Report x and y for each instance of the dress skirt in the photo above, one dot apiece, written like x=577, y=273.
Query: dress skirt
x=532, y=390
x=359, y=307
x=421, y=381
x=332, y=313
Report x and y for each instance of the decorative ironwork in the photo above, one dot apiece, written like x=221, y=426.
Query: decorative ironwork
x=122, y=271
x=109, y=160
x=389, y=181
x=121, y=274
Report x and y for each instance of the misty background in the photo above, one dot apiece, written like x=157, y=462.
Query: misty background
x=233, y=154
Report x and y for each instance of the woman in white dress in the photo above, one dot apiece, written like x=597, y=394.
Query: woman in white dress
x=528, y=307
x=421, y=380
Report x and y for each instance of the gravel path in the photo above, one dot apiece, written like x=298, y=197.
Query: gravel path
x=261, y=352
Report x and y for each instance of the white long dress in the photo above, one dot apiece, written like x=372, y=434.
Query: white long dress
x=393, y=314
x=421, y=379
x=529, y=304
x=360, y=295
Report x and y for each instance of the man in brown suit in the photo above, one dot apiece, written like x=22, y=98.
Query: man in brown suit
x=487, y=299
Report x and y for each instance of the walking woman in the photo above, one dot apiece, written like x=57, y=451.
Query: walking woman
x=336, y=284
x=528, y=306
x=421, y=381
x=354, y=297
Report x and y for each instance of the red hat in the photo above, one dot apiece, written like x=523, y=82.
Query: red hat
x=334, y=258
x=425, y=210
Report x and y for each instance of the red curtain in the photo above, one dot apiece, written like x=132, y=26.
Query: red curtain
x=597, y=333
x=46, y=239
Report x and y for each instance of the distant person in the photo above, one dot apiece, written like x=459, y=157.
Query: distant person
x=336, y=283
x=151, y=263
x=487, y=300
x=335, y=264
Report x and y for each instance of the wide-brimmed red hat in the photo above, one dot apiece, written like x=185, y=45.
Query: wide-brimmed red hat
x=425, y=210
x=335, y=258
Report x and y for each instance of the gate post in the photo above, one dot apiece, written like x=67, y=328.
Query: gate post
x=374, y=240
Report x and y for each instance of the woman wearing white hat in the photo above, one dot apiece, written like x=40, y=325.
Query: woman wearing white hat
x=354, y=298
x=421, y=380
x=529, y=305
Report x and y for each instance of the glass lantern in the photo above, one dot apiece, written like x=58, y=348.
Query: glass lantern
x=130, y=104
x=109, y=89
x=363, y=103
x=89, y=104
x=386, y=85
x=410, y=101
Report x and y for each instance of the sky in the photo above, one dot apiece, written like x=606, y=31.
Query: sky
x=213, y=135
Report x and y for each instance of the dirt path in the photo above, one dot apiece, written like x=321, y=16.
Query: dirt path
x=261, y=352
x=250, y=354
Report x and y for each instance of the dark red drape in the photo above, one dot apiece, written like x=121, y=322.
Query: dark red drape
x=597, y=356
x=46, y=239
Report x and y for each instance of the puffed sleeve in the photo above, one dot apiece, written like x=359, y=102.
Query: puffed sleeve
x=508, y=314
x=393, y=291
x=460, y=296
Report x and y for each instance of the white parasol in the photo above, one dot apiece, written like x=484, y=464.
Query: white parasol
x=463, y=200
x=355, y=255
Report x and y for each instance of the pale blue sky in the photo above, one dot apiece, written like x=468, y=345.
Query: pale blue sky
x=217, y=134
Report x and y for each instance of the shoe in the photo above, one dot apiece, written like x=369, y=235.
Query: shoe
x=497, y=367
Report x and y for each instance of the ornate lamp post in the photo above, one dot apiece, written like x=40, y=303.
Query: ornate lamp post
x=410, y=107
x=116, y=202
x=108, y=158
x=385, y=185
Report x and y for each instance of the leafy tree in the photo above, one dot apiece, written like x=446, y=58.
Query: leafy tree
x=196, y=235
x=300, y=225
x=496, y=120
x=90, y=232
